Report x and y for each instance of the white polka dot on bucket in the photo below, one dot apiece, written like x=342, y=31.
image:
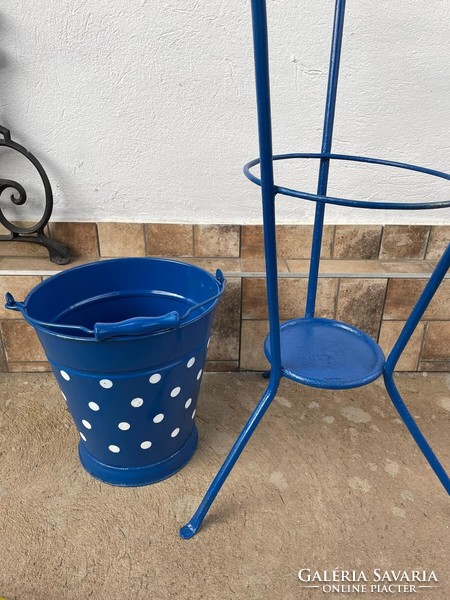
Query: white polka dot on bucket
x=124, y=426
x=190, y=362
x=188, y=403
x=199, y=374
x=114, y=448
x=64, y=396
x=175, y=432
x=137, y=402
x=193, y=414
x=86, y=424
x=158, y=418
x=106, y=383
x=209, y=341
x=82, y=436
x=94, y=406
x=65, y=375
x=155, y=378
x=174, y=393
x=146, y=445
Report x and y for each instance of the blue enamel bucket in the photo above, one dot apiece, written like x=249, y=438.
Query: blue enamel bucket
x=127, y=341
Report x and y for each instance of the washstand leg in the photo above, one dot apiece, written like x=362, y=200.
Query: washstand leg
x=422, y=304
x=191, y=528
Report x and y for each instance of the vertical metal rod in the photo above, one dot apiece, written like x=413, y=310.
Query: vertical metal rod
x=261, y=47
x=261, y=54
x=327, y=138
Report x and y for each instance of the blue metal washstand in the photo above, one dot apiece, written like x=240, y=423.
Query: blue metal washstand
x=318, y=352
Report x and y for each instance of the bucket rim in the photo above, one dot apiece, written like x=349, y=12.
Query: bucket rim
x=182, y=324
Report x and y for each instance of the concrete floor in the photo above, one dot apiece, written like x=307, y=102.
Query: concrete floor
x=330, y=479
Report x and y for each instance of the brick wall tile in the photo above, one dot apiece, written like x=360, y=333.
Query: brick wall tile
x=360, y=303
x=225, y=332
x=389, y=332
x=436, y=345
x=438, y=242
x=357, y=242
x=402, y=295
x=252, y=356
x=21, y=342
x=292, y=297
x=80, y=238
x=121, y=239
x=19, y=286
x=167, y=239
x=404, y=241
x=217, y=240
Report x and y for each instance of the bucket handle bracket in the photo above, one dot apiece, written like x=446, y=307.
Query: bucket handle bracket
x=221, y=281
x=12, y=304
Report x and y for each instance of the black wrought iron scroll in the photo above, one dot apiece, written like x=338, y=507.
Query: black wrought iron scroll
x=35, y=234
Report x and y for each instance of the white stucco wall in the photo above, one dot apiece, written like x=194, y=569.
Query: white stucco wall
x=145, y=111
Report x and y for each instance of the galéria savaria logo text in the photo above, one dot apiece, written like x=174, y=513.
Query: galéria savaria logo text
x=387, y=581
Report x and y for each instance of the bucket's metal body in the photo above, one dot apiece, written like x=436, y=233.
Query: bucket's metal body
x=127, y=342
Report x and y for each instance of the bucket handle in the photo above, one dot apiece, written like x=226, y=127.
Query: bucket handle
x=135, y=326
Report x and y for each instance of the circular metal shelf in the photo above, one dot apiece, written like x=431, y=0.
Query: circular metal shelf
x=327, y=354
x=348, y=202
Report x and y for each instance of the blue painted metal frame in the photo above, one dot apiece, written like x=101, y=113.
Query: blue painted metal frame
x=385, y=205
x=425, y=298
x=269, y=191
x=327, y=139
